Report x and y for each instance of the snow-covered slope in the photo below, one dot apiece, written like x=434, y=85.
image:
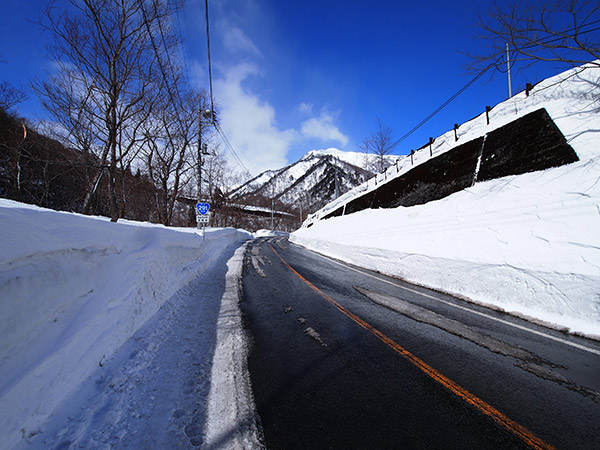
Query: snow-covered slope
x=571, y=98
x=357, y=159
x=73, y=289
x=529, y=243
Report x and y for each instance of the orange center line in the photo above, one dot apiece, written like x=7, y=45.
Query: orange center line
x=523, y=433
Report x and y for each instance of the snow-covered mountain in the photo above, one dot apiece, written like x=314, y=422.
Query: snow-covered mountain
x=314, y=180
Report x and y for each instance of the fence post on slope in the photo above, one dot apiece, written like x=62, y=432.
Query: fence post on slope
x=487, y=114
x=455, y=134
x=528, y=88
x=430, y=146
x=412, y=162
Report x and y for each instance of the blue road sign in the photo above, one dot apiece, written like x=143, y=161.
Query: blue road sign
x=202, y=208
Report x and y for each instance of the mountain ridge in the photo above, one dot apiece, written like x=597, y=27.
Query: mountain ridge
x=312, y=181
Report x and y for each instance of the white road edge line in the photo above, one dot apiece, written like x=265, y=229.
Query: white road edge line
x=514, y=325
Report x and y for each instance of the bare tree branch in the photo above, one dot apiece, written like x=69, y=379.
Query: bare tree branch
x=10, y=96
x=557, y=31
x=107, y=79
x=380, y=143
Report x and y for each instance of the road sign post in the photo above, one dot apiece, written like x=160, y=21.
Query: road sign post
x=202, y=216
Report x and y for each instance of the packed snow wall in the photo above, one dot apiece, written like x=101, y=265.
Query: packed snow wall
x=73, y=289
x=528, y=144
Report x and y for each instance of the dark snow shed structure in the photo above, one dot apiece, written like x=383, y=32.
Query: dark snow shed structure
x=530, y=143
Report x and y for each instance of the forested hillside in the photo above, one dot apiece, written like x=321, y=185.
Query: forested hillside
x=38, y=170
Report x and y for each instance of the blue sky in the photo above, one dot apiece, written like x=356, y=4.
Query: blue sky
x=292, y=76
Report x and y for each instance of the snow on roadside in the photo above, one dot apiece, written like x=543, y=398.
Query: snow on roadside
x=233, y=420
x=73, y=289
x=529, y=244
x=270, y=233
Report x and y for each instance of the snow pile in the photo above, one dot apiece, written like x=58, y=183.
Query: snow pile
x=269, y=233
x=234, y=421
x=73, y=289
x=529, y=244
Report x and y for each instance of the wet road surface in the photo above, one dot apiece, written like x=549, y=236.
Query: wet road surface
x=343, y=358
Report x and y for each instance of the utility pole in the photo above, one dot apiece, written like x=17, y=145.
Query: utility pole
x=272, y=194
x=508, y=70
x=199, y=168
x=202, y=148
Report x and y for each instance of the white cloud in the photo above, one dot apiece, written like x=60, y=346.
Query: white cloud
x=236, y=41
x=250, y=122
x=252, y=127
x=322, y=127
x=305, y=108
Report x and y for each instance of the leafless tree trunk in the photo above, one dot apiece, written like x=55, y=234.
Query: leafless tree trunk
x=14, y=167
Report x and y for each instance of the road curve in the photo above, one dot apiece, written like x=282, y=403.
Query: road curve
x=342, y=358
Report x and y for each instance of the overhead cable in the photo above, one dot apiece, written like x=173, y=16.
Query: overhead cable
x=446, y=103
x=212, y=105
x=547, y=40
x=230, y=147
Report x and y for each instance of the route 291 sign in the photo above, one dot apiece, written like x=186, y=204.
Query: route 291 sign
x=202, y=208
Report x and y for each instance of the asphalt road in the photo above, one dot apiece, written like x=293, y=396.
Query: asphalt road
x=343, y=358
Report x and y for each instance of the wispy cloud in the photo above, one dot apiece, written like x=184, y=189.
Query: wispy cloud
x=236, y=41
x=250, y=120
x=323, y=128
x=305, y=108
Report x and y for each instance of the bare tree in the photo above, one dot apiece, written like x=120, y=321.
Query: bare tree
x=380, y=143
x=169, y=149
x=558, y=31
x=216, y=169
x=10, y=96
x=108, y=76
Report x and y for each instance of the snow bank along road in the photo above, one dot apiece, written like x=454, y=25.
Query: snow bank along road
x=346, y=358
x=119, y=335
x=171, y=385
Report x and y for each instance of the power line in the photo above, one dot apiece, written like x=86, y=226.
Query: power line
x=446, y=103
x=216, y=124
x=543, y=41
x=182, y=49
x=194, y=68
x=230, y=147
x=212, y=106
x=159, y=17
